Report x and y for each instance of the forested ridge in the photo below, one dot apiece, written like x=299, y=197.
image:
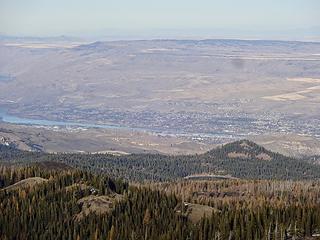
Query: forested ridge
x=48, y=211
x=146, y=196
x=243, y=209
x=241, y=159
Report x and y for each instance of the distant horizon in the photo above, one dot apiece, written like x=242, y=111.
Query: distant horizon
x=296, y=20
x=108, y=38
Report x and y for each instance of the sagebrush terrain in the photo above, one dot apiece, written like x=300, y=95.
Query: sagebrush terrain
x=218, y=88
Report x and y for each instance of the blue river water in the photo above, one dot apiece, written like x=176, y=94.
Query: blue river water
x=5, y=78
x=4, y=117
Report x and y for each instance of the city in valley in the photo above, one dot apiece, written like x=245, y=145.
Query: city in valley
x=176, y=95
x=160, y=120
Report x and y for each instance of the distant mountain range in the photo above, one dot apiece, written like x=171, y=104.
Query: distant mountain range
x=126, y=38
x=61, y=38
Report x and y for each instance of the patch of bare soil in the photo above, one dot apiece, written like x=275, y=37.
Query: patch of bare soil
x=97, y=204
x=194, y=212
x=264, y=156
x=26, y=183
x=238, y=155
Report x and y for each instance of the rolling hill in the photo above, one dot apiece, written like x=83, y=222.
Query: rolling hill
x=240, y=159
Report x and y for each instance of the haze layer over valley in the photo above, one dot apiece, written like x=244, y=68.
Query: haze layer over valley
x=208, y=91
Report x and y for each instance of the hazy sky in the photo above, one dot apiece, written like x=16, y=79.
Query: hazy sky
x=254, y=18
